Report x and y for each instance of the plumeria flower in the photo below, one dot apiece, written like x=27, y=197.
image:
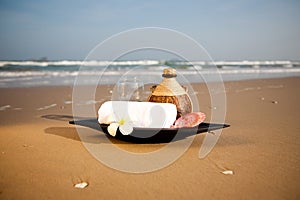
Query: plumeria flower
x=125, y=126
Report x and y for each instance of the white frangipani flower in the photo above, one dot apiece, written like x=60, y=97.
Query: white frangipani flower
x=125, y=126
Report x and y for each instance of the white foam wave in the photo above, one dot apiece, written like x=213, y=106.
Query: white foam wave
x=78, y=63
x=155, y=71
x=149, y=62
x=4, y=107
x=47, y=107
x=237, y=63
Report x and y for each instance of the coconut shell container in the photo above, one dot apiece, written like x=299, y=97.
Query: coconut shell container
x=170, y=91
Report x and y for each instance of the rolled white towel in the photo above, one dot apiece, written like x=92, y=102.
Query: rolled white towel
x=140, y=114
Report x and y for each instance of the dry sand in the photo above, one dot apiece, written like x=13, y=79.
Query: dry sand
x=42, y=157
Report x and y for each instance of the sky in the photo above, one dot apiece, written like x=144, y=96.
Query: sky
x=227, y=29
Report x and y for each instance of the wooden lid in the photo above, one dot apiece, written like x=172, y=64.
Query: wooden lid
x=169, y=73
x=169, y=86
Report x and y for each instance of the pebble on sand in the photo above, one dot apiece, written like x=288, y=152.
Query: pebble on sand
x=227, y=172
x=213, y=107
x=81, y=185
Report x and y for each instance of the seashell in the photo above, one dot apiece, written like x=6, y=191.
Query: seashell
x=227, y=172
x=81, y=185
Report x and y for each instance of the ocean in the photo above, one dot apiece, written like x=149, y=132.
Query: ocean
x=68, y=72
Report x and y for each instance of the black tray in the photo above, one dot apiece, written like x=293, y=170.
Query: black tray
x=151, y=135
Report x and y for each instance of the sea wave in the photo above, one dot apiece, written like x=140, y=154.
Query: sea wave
x=189, y=71
x=65, y=72
x=77, y=63
x=151, y=62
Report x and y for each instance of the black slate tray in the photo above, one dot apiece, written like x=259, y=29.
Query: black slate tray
x=151, y=135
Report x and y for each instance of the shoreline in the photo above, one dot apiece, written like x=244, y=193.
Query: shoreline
x=42, y=155
x=109, y=84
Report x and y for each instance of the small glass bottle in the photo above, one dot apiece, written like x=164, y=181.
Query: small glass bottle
x=170, y=91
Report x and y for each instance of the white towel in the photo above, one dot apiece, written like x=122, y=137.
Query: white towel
x=140, y=114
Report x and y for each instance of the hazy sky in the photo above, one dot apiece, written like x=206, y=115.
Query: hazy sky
x=229, y=30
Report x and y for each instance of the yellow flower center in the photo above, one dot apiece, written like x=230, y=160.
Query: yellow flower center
x=122, y=122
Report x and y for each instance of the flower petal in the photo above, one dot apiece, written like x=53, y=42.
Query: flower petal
x=112, y=129
x=126, y=128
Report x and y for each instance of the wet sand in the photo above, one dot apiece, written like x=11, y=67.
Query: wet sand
x=42, y=156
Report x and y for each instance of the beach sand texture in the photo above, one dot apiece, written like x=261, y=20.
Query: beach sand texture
x=42, y=157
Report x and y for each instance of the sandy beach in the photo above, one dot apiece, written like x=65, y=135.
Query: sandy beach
x=42, y=156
